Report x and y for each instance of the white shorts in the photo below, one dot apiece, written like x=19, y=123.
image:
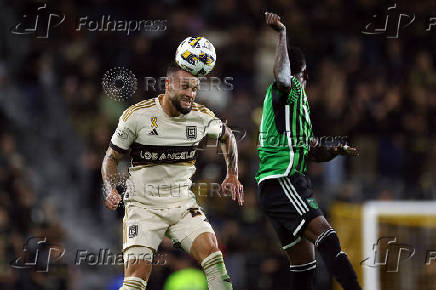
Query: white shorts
x=146, y=227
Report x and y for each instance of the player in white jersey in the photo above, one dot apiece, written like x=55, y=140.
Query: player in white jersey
x=162, y=135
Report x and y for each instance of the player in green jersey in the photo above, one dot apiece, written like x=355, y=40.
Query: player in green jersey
x=285, y=192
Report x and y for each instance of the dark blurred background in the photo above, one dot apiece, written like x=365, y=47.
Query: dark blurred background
x=56, y=123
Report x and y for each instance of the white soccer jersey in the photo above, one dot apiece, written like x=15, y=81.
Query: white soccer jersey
x=162, y=151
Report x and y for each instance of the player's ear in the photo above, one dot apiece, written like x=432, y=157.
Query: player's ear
x=305, y=75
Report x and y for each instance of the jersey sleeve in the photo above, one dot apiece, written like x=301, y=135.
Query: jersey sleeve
x=296, y=90
x=124, y=135
x=280, y=98
x=214, y=127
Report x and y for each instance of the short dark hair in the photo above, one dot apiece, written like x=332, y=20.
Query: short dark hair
x=297, y=59
x=172, y=68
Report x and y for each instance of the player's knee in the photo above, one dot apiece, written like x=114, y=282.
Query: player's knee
x=316, y=228
x=137, y=262
x=207, y=250
x=328, y=239
x=212, y=249
x=203, y=246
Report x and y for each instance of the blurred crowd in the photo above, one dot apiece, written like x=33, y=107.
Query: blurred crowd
x=377, y=93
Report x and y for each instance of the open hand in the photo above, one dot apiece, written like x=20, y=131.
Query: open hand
x=346, y=150
x=232, y=184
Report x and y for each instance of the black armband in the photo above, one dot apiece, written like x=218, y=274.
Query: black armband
x=118, y=149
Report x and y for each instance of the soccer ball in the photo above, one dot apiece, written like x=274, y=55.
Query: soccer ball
x=196, y=55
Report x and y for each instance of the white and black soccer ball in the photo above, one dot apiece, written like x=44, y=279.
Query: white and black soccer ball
x=196, y=55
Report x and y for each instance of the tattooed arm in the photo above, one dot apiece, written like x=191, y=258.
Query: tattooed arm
x=230, y=151
x=109, y=175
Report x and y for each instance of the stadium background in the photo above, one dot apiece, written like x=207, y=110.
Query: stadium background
x=56, y=123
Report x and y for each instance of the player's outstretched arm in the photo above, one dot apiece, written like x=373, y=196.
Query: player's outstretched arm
x=230, y=151
x=282, y=65
x=109, y=175
x=322, y=153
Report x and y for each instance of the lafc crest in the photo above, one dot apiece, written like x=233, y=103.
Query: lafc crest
x=191, y=132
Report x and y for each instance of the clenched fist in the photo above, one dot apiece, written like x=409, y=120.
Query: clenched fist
x=273, y=20
x=112, y=200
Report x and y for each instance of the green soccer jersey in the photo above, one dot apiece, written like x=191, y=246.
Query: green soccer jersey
x=285, y=132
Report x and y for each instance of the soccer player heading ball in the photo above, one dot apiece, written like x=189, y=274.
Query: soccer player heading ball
x=162, y=135
x=285, y=192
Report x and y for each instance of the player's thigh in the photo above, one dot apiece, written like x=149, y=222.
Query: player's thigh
x=302, y=252
x=289, y=204
x=193, y=224
x=143, y=228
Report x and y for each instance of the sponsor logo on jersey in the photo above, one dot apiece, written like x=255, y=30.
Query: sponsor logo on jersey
x=191, y=132
x=312, y=203
x=122, y=134
x=194, y=211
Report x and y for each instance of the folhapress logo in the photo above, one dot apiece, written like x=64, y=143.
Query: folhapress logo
x=394, y=21
x=38, y=23
x=388, y=254
x=38, y=254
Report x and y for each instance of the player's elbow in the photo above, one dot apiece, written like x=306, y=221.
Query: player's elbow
x=283, y=85
x=282, y=79
x=227, y=133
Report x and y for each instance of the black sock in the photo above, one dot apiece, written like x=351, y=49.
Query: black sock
x=302, y=276
x=337, y=261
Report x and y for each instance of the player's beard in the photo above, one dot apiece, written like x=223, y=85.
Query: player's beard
x=178, y=106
